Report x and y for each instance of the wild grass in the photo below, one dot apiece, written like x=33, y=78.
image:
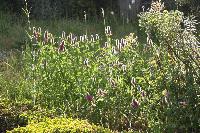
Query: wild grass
x=13, y=35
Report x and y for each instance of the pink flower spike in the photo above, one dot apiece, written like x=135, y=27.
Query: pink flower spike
x=89, y=97
x=46, y=38
x=135, y=104
x=143, y=93
x=62, y=46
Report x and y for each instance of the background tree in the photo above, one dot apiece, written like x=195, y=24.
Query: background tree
x=45, y=9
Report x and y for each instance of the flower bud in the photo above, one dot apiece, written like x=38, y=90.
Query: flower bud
x=92, y=38
x=108, y=31
x=134, y=104
x=63, y=34
x=40, y=30
x=62, y=46
x=46, y=36
x=89, y=97
x=143, y=93
x=97, y=37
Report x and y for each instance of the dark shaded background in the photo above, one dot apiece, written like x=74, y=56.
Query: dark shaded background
x=48, y=9
x=45, y=9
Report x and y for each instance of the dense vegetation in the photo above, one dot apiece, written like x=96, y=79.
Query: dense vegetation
x=48, y=9
x=61, y=125
x=133, y=83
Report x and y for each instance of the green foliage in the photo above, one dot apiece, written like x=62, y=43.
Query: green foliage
x=63, y=125
x=117, y=83
x=11, y=31
x=82, y=77
x=177, y=50
x=10, y=116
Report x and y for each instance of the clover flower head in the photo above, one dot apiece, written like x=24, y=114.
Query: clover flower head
x=134, y=104
x=62, y=46
x=89, y=97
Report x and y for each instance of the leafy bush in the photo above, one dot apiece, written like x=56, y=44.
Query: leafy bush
x=63, y=125
x=174, y=40
x=10, y=116
x=86, y=79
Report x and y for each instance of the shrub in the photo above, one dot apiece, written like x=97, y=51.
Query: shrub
x=62, y=125
x=86, y=77
x=10, y=116
x=174, y=40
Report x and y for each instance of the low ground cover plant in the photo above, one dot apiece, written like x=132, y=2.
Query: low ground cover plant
x=120, y=84
x=61, y=125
